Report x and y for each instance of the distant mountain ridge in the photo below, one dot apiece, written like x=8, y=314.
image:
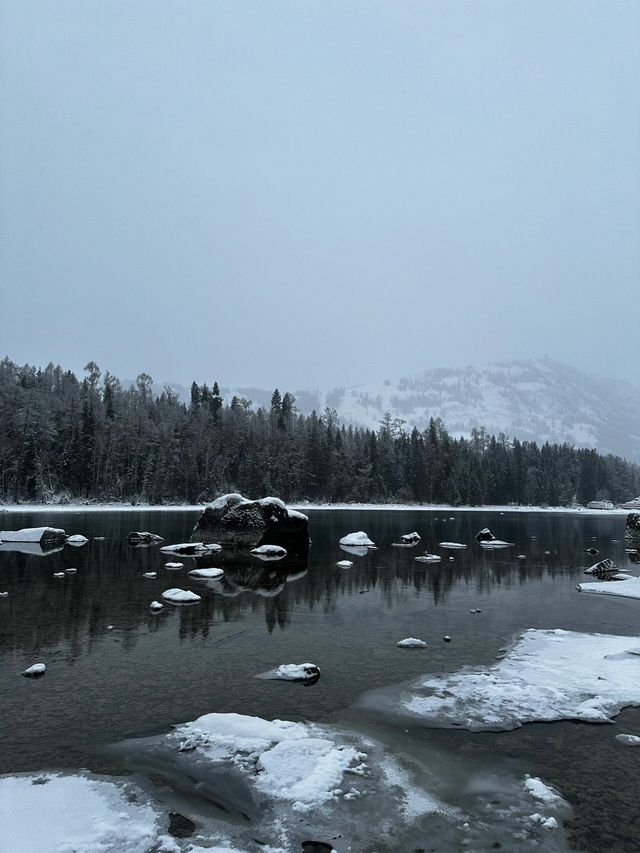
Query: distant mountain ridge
x=536, y=399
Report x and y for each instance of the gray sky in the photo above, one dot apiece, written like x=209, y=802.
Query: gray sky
x=314, y=194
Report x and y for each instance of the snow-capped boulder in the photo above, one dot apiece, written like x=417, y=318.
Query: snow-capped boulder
x=269, y=552
x=156, y=605
x=486, y=538
x=628, y=740
x=35, y=670
x=307, y=672
x=173, y=566
x=209, y=574
x=77, y=539
x=407, y=540
x=604, y=569
x=44, y=536
x=344, y=564
x=452, y=546
x=237, y=522
x=181, y=596
x=137, y=537
x=357, y=540
x=411, y=643
x=484, y=535
x=150, y=575
x=191, y=549
x=428, y=558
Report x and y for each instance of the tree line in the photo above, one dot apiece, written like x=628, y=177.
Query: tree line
x=62, y=437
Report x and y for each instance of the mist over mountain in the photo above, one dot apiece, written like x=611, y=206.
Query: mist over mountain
x=536, y=399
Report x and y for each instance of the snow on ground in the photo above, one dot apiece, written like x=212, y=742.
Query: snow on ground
x=627, y=588
x=548, y=675
x=180, y=596
x=398, y=507
x=52, y=813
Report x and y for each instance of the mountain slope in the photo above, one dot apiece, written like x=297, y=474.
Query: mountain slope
x=539, y=400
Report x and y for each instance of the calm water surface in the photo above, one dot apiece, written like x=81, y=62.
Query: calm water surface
x=154, y=670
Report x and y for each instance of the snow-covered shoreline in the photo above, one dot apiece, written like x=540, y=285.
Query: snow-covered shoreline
x=399, y=507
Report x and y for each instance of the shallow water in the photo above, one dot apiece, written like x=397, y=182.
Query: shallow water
x=154, y=670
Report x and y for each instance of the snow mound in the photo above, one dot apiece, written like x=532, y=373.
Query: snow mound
x=180, y=596
x=344, y=564
x=548, y=675
x=358, y=539
x=412, y=643
x=287, y=761
x=628, y=740
x=52, y=813
x=540, y=791
x=629, y=587
x=206, y=573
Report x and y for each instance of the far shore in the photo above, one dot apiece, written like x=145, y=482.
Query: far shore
x=394, y=507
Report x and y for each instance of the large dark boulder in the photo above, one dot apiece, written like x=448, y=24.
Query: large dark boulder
x=236, y=522
x=632, y=529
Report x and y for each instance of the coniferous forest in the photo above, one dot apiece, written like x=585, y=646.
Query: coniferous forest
x=65, y=438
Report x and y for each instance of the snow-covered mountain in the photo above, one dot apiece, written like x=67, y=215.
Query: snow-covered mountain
x=540, y=399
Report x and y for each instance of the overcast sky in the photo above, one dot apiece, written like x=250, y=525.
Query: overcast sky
x=312, y=194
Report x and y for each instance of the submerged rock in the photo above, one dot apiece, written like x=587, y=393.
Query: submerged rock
x=237, y=522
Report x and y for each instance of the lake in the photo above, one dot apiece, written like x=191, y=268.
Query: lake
x=117, y=671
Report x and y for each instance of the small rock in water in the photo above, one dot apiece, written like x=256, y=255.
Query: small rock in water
x=547, y=553
x=35, y=670
x=173, y=565
x=522, y=556
x=592, y=551
x=447, y=638
x=58, y=574
x=156, y=605
x=180, y=826
x=70, y=571
x=109, y=628
x=150, y=575
x=451, y=558
x=629, y=740
x=3, y=594
x=344, y=564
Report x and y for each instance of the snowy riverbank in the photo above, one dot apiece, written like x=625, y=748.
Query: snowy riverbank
x=399, y=507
